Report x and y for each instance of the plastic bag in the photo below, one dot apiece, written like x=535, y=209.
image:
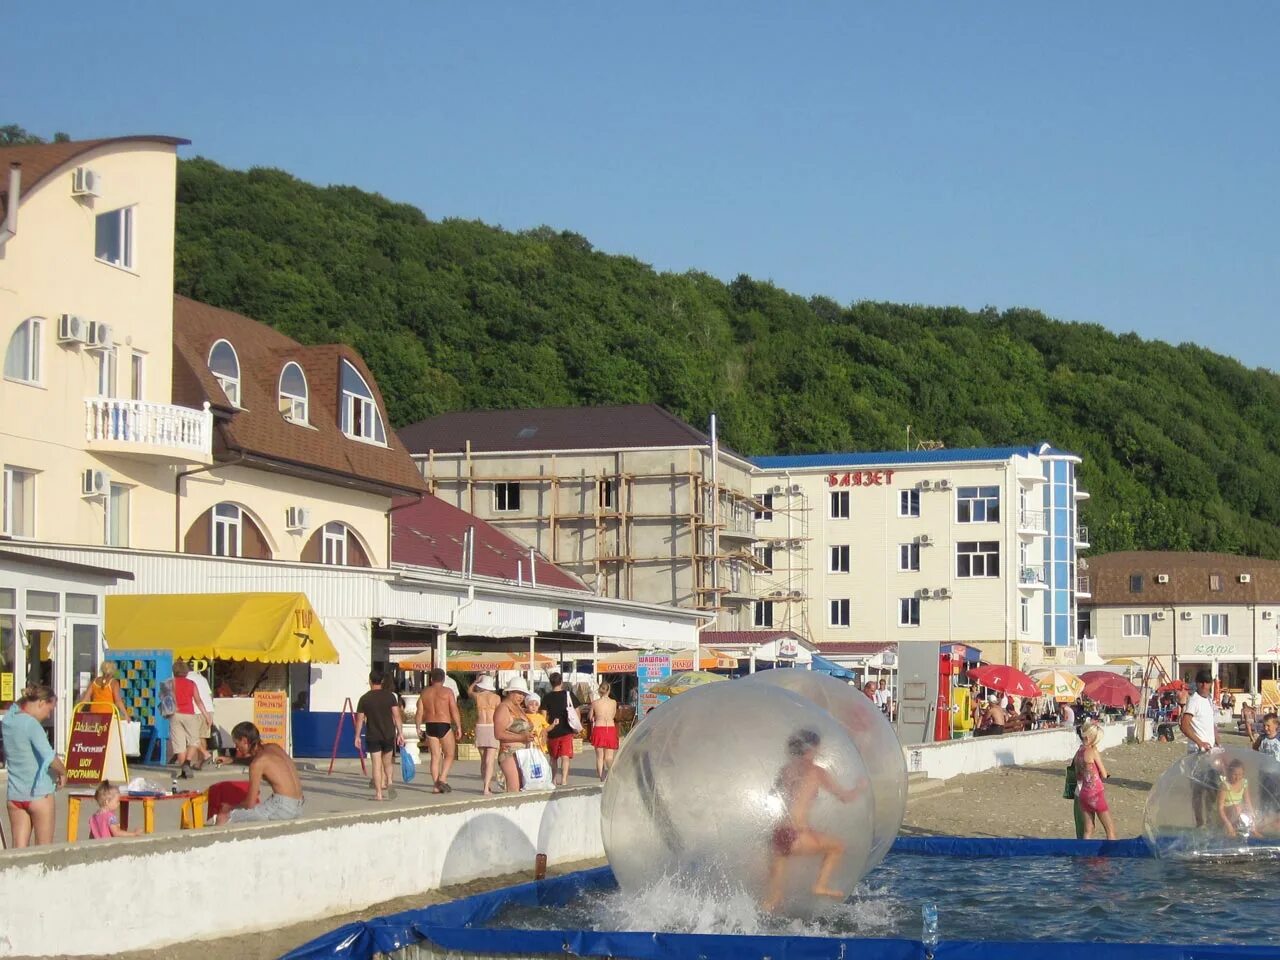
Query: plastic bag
x=131, y=737
x=408, y=769
x=535, y=769
x=575, y=718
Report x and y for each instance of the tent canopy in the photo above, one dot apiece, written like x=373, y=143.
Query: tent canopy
x=707, y=659
x=261, y=627
x=823, y=665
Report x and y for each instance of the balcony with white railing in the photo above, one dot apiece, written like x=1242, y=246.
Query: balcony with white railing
x=152, y=430
x=1082, y=535
x=1034, y=522
x=1082, y=587
x=1033, y=578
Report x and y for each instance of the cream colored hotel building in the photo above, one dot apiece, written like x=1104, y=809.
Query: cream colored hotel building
x=978, y=546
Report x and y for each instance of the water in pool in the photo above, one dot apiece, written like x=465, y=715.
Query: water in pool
x=1016, y=898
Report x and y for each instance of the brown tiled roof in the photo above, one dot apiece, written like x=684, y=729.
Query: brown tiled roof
x=257, y=428
x=854, y=648
x=714, y=638
x=1189, y=579
x=553, y=428
x=41, y=160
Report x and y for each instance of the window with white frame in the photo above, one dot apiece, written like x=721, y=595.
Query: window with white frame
x=107, y=372
x=909, y=612
x=839, y=613
x=361, y=419
x=137, y=372
x=839, y=558
x=839, y=505
x=1214, y=625
x=224, y=364
x=1024, y=615
x=506, y=497
x=117, y=520
x=228, y=524
x=19, y=502
x=908, y=503
x=978, y=558
x=764, y=613
x=764, y=557
x=22, y=356
x=766, y=501
x=293, y=402
x=977, y=504
x=908, y=556
x=333, y=545
x=1137, y=625
x=113, y=237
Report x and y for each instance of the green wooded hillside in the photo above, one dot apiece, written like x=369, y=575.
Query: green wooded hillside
x=1179, y=444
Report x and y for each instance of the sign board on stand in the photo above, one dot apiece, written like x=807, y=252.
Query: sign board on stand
x=95, y=750
x=651, y=670
x=271, y=716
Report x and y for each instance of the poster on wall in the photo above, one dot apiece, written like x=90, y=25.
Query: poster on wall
x=652, y=670
x=271, y=716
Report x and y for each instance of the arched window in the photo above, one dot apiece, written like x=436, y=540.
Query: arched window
x=293, y=393
x=225, y=367
x=337, y=545
x=228, y=530
x=360, y=417
x=22, y=358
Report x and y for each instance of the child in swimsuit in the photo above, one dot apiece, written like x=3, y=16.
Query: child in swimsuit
x=1090, y=773
x=105, y=824
x=1235, y=803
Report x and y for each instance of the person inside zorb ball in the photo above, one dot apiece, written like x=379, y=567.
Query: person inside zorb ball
x=735, y=787
x=1220, y=803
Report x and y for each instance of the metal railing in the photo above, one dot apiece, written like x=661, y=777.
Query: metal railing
x=1082, y=533
x=148, y=424
x=1082, y=587
x=1036, y=520
x=1032, y=576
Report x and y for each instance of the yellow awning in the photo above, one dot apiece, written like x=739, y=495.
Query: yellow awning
x=262, y=627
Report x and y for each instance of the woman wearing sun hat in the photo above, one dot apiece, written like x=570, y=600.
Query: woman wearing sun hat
x=512, y=728
x=487, y=700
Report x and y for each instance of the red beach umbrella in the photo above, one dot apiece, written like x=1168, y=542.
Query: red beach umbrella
x=1109, y=689
x=1006, y=679
x=1172, y=685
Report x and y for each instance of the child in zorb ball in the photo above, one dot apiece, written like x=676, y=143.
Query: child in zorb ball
x=105, y=824
x=1235, y=803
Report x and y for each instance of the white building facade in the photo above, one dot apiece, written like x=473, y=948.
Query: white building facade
x=977, y=546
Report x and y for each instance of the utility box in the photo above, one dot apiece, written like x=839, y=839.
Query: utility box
x=931, y=678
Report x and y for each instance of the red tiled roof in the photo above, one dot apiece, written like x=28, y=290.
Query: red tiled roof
x=715, y=638
x=40, y=160
x=553, y=428
x=430, y=533
x=257, y=428
x=854, y=648
x=1189, y=578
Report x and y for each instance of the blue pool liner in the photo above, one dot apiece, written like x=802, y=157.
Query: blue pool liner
x=459, y=924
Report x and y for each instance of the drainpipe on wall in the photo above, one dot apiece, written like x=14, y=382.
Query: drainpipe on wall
x=10, y=227
x=177, y=494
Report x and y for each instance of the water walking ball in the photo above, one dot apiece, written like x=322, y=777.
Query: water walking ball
x=709, y=793
x=872, y=734
x=1225, y=803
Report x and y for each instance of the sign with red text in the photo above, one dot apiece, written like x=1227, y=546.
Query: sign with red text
x=95, y=751
x=652, y=670
x=860, y=478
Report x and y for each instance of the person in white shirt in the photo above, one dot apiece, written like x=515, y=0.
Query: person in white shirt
x=1198, y=725
x=205, y=693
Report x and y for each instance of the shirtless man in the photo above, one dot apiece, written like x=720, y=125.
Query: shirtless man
x=996, y=718
x=268, y=762
x=604, y=732
x=487, y=700
x=799, y=783
x=439, y=720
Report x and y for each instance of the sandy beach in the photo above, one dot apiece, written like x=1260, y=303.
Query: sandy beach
x=1010, y=802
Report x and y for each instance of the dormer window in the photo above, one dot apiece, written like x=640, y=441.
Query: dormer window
x=225, y=367
x=293, y=394
x=359, y=415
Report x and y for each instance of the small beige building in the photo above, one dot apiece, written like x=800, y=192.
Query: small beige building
x=634, y=501
x=977, y=546
x=1191, y=612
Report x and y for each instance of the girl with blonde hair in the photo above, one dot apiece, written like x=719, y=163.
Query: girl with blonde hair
x=103, y=692
x=1090, y=773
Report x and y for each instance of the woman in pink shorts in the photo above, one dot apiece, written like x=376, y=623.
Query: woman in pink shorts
x=1091, y=794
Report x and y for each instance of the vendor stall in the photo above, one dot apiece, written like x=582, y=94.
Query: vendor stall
x=242, y=642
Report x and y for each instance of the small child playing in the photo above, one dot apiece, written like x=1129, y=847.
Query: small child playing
x=1235, y=802
x=1268, y=744
x=1269, y=741
x=105, y=824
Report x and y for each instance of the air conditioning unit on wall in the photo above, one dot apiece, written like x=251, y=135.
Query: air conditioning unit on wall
x=1162, y=578
x=71, y=328
x=1185, y=615
x=924, y=593
x=297, y=518
x=94, y=483
x=85, y=182
x=926, y=484
x=99, y=335
x=944, y=484
x=923, y=540
x=1266, y=614
x=942, y=593
x=1158, y=615
x=1245, y=577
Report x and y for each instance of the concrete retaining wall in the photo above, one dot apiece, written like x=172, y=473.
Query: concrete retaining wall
x=143, y=893
x=942, y=761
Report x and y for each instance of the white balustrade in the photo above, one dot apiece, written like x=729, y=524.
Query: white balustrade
x=160, y=425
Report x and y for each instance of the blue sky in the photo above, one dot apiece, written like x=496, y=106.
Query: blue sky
x=1102, y=162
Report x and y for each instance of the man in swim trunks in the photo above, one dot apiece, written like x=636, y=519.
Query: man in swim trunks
x=799, y=783
x=268, y=762
x=487, y=700
x=438, y=719
x=379, y=708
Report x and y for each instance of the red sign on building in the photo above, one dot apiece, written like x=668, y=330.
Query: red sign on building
x=861, y=478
